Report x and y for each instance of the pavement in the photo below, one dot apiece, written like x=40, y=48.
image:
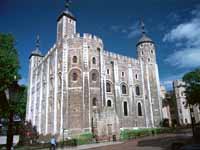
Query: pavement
x=159, y=142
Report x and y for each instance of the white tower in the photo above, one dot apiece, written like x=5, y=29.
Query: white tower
x=34, y=59
x=66, y=24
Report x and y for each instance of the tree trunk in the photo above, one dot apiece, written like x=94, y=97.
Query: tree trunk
x=10, y=131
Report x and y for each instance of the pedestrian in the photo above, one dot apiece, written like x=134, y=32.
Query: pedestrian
x=53, y=143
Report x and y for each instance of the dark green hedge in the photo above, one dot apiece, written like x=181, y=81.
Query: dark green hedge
x=131, y=134
x=84, y=138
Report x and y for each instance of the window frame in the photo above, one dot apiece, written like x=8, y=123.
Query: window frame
x=122, y=89
x=73, y=76
x=94, y=75
x=74, y=59
x=139, y=109
x=94, y=102
x=94, y=61
x=109, y=103
x=108, y=83
x=125, y=112
x=137, y=90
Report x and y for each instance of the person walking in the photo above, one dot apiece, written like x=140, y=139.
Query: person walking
x=53, y=143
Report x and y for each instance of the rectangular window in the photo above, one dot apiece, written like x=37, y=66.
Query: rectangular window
x=125, y=109
x=108, y=71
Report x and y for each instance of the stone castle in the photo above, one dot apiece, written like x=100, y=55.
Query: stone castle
x=184, y=112
x=79, y=87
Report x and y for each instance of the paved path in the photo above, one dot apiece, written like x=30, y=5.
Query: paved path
x=159, y=142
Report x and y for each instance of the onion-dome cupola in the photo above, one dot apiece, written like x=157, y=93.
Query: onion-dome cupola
x=146, y=47
x=37, y=51
x=66, y=23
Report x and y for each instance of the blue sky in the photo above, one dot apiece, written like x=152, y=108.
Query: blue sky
x=174, y=25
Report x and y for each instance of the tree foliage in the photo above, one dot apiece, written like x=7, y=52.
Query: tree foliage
x=9, y=64
x=192, y=85
x=20, y=105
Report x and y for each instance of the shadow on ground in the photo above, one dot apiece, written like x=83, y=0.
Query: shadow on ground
x=165, y=142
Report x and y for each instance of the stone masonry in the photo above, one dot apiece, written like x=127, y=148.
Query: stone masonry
x=80, y=87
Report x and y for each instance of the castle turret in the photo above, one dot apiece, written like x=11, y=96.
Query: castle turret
x=147, y=57
x=146, y=47
x=36, y=55
x=34, y=59
x=66, y=23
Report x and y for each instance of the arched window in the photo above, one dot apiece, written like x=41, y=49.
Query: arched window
x=136, y=76
x=137, y=90
x=108, y=71
x=186, y=121
x=124, y=89
x=109, y=103
x=74, y=76
x=74, y=59
x=108, y=87
x=125, y=109
x=94, y=77
x=139, y=109
x=94, y=60
x=94, y=101
x=123, y=74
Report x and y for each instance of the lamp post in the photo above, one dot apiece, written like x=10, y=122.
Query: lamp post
x=192, y=119
x=11, y=95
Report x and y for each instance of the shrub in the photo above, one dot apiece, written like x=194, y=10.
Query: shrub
x=130, y=134
x=70, y=142
x=84, y=138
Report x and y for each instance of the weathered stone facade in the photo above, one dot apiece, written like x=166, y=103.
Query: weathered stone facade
x=166, y=115
x=184, y=110
x=78, y=86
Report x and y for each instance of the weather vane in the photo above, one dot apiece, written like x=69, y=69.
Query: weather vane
x=142, y=26
x=37, y=42
x=67, y=3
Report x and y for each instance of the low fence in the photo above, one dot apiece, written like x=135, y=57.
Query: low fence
x=3, y=140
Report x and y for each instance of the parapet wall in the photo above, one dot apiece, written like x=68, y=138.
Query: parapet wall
x=121, y=57
x=87, y=36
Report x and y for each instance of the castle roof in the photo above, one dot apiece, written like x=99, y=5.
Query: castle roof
x=66, y=12
x=144, y=38
x=37, y=51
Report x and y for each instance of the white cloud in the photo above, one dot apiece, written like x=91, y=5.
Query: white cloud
x=188, y=36
x=115, y=28
x=134, y=30
x=133, y=34
x=131, y=31
x=167, y=82
x=185, y=58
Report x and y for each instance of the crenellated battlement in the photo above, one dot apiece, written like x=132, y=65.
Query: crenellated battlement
x=88, y=36
x=92, y=37
x=78, y=69
x=121, y=57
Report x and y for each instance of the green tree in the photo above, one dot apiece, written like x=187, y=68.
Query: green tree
x=9, y=64
x=14, y=102
x=192, y=85
x=20, y=105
